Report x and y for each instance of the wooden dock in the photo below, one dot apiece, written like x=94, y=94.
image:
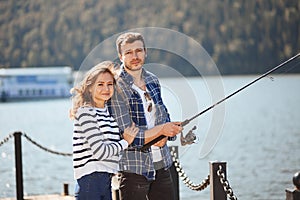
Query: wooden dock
x=44, y=197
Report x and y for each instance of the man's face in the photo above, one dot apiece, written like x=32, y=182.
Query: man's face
x=133, y=55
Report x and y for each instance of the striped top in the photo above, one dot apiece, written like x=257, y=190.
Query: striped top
x=96, y=142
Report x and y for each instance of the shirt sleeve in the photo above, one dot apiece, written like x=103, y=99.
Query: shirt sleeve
x=119, y=108
x=101, y=148
x=163, y=115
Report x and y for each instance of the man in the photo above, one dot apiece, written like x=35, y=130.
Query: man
x=144, y=174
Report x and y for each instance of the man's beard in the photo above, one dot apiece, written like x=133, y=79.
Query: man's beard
x=134, y=68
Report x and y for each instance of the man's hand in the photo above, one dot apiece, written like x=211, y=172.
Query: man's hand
x=161, y=142
x=171, y=129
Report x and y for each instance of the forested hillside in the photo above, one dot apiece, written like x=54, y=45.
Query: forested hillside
x=242, y=36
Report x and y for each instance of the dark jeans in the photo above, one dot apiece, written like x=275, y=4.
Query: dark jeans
x=95, y=186
x=137, y=187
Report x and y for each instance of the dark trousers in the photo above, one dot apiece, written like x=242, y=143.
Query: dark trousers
x=137, y=187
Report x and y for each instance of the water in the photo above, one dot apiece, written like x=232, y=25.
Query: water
x=259, y=138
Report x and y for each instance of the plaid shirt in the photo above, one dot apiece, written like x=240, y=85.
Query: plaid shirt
x=126, y=106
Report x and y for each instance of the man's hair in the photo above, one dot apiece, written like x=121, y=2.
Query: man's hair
x=129, y=37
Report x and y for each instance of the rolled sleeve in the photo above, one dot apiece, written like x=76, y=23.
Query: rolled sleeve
x=139, y=139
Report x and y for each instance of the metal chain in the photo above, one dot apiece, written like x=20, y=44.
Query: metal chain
x=6, y=139
x=228, y=190
x=36, y=144
x=204, y=184
x=45, y=148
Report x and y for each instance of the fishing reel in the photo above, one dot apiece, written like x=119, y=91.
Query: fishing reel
x=189, y=138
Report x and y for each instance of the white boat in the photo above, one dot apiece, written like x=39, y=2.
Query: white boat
x=35, y=83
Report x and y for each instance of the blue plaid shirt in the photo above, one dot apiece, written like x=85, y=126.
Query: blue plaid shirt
x=126, y=106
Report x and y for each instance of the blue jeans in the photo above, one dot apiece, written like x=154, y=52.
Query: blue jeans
x=94, y=186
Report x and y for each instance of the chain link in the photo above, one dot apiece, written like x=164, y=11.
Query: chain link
x=228, y=190
x=36, y=144
x=198, y=187
x=45, y=148
x=6, y=139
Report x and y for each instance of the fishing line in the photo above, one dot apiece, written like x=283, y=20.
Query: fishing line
x=187, y=121
x=284, y=71
x=287, y=70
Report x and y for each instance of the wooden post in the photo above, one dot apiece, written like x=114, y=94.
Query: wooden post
x=115, y=180
x=115, y=194
x=216, y=188
x=18, y=163
x=66, y=189
x=294, y=194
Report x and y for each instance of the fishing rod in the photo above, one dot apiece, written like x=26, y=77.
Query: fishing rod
x=187, y=121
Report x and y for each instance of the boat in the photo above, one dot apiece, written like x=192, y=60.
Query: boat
x=35, y=83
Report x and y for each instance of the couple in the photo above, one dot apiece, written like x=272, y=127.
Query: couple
x=113, y=119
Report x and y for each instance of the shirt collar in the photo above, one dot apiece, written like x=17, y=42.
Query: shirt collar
x=128, y=78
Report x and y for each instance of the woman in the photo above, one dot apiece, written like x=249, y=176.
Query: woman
x=96, y=137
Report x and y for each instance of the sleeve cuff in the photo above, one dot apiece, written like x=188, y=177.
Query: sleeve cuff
x=124, y=144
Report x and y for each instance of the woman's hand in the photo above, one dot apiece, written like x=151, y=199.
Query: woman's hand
x=130, y=133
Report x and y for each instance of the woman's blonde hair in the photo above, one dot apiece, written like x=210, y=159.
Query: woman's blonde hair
x=81, y=95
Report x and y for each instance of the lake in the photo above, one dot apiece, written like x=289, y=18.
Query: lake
x=256, y=132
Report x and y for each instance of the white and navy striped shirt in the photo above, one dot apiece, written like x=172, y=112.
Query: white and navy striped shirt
x=96, y=142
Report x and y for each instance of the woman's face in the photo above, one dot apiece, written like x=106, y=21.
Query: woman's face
x=103, y=89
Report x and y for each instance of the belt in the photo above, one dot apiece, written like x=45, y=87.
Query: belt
x=159, y=165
